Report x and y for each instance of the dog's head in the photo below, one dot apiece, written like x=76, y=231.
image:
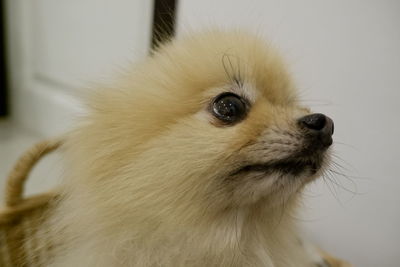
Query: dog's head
x=208, y=121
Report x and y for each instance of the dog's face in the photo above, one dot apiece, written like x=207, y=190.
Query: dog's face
x=211, y=119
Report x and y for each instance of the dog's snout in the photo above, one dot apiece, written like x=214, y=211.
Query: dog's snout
x=319, y=126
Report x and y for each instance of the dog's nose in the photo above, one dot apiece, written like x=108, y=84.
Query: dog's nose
x=319, y=126
x=315, y=121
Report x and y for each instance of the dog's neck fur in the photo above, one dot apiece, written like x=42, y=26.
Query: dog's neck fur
x=246, y=236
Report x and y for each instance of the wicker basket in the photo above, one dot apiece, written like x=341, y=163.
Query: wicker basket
x=20, y=236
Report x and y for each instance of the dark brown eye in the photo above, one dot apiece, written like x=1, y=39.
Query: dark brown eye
x=229, y=108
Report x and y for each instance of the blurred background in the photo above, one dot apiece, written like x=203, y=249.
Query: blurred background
x=344, y=56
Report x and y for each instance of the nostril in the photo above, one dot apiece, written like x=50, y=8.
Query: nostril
x=316, y=121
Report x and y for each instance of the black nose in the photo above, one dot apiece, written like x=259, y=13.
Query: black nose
x=319, y=127
x=316, y=121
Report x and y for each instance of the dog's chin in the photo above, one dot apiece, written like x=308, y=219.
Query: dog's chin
x=276, y=181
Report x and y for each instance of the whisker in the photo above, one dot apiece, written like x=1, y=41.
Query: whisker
x=223, y=61
x=333, y=183
x=239, y=73
x=349, y=177
x=342, y=161
x=232, y=74
x=338, y=165
x=344, y=176
x=338, y=182
x=341, y=186
x=330, y=189
x=347, y=145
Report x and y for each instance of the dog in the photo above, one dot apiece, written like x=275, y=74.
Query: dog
x=196, y=156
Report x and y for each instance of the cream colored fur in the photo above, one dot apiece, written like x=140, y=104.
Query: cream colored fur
x=147, y=172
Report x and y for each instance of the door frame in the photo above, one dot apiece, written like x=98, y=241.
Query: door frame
x=27, y=91
x=34, y=103
x=3, y=65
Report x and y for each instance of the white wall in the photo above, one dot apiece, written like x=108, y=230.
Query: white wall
x=59, y=49
x=346, y=57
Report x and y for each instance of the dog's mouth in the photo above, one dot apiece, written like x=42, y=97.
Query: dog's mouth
x=294, y=166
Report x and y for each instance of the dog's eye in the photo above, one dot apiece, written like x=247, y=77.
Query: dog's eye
x=229, y=108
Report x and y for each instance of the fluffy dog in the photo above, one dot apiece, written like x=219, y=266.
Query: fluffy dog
x=197, y=156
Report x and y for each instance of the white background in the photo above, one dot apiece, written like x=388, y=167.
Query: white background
x=59, y=49
x=346, y=58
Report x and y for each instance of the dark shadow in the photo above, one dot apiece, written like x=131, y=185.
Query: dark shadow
x=3, y=65
x=164, y=18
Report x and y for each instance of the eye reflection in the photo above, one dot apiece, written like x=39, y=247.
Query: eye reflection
x=229, y=108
